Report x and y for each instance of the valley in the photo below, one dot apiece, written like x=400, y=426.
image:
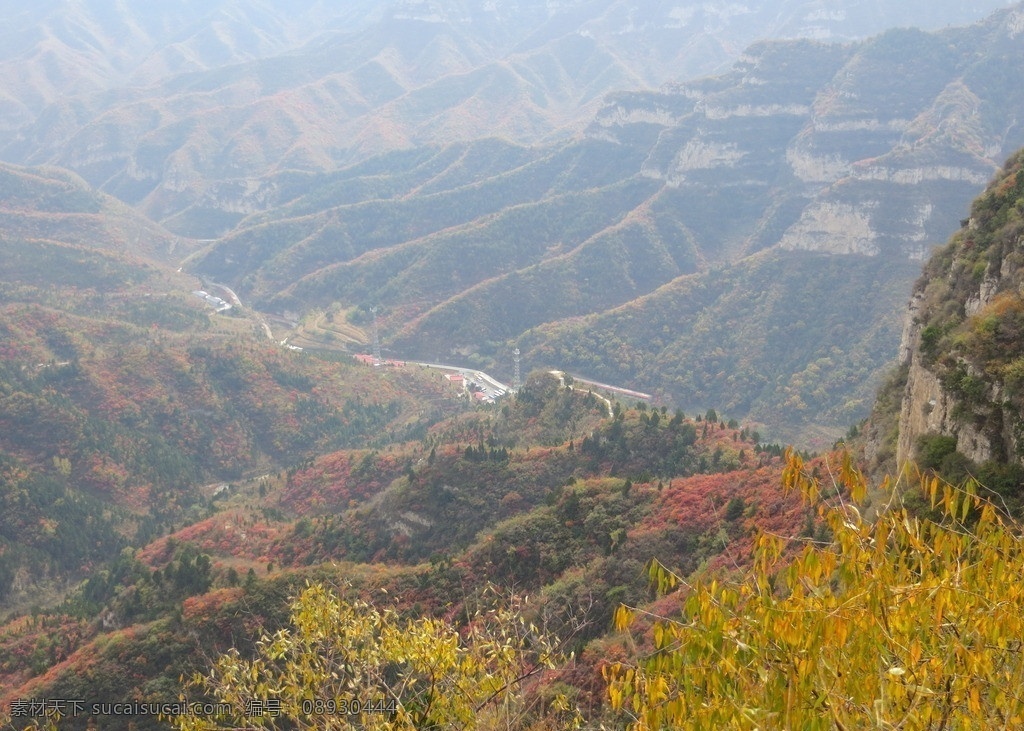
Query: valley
x=446, y=355
x=698, y=192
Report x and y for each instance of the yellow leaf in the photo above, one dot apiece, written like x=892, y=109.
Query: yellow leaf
x=623, y=617
x=974, y=700
x=915, y=652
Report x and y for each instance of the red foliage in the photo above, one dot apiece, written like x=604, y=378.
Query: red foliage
x=202, y=608
x=22, y=640
x=333, y=481
x=699, y=505
x=229, y=534
x=699, y=501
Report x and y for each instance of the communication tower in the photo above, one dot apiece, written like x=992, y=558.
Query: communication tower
x=516, y=380
x=377, y=360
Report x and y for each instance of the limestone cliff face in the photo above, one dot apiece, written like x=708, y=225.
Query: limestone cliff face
x=838, y=228
x=964, y=336
x=928, y=408
x=868, y=149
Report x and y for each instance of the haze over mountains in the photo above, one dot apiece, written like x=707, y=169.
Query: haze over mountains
x=488, y=176
x=650, y=195
x=428, y=527
x=167, y=106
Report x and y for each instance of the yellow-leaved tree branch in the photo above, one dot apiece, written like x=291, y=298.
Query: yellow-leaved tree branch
x=899, y=623
x=346, y=664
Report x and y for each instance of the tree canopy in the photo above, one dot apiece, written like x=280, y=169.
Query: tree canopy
x=897, y=623
x=346, y=664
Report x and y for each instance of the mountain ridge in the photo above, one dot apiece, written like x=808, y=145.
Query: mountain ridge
x=831, y=165
x=661, y=185
x=961, y=333
x=235, y=74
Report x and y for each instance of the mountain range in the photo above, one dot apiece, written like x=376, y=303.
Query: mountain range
x=186, y=441
x=488, y=178
x=194, y=110
x=614, y=254
x=548, y=495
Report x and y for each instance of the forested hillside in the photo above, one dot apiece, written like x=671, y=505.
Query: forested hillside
x=122, y=393
x=834, y=167
x=486, y=180
x=210, y=492
x=429, y=526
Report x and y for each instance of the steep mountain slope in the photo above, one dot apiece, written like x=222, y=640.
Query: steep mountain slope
x=866, y=152
x=962, y=345
x=788, y=339
x=121, y=391
x=190, y=110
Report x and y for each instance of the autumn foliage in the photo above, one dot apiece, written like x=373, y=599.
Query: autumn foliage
x=896, y=623
x=346, y=664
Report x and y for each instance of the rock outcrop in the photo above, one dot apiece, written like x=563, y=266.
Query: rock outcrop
x=964, y=337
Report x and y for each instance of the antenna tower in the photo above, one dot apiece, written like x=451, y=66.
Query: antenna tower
x=516, y=380
x=376, y=339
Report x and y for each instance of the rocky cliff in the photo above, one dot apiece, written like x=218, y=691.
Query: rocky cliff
x=963, y=344
x=877, y=139
x=197, y=112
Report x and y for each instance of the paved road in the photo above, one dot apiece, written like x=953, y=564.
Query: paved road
x=560, y=375
x=469, y=373
x=238, y=303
